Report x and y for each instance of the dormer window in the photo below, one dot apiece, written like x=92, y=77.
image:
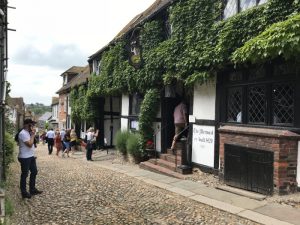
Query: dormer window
x=169, y=29
x=247, y=4
x=233, y=7
x=96, y=66
x=65, y=80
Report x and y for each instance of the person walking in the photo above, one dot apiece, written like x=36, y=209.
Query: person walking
x=66, y=142
x=25, y=139
x=91, y=138
x=57, y=142
x=62, y=136
x=73, y=142
x=180, y=121
x=50, y=140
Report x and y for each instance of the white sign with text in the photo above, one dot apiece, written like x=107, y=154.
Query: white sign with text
x=203, y=146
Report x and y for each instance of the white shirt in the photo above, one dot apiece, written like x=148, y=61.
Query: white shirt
x=89, y=136
x=50, y=134
x=62, y=135
x=24, y=150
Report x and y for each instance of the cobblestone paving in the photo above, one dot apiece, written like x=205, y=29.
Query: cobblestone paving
x=80, y=192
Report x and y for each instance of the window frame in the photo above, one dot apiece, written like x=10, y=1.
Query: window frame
x=269, y=81
x=238, y=7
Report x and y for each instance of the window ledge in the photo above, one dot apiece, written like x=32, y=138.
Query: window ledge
x=266, y=132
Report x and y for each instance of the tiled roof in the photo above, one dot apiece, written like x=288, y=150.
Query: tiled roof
x=73, y=69
x=17, y=103
x=156, y=7
x=81, y=77
x=45, y=116
x=55, y=100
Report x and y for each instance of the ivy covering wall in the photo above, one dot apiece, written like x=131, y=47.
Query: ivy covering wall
x=201, y=44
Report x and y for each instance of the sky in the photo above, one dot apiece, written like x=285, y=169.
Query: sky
x=53, y=35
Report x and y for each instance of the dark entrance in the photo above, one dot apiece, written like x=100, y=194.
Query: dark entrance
x=98, y=107
x=167, y=127
x=249, y=169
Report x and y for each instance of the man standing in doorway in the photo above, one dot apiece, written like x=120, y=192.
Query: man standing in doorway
x=180, y=121
x=26, y=158
x=50, y=139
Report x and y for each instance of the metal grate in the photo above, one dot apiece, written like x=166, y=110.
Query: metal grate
x=257, y=104
x=283, y=104
x=234, y=105
x=230, y=9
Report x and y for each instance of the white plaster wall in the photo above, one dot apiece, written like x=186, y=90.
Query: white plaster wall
x=204, y=101
x=124, y=124
x=124, y=112
x=125, y=105
x=298, y=165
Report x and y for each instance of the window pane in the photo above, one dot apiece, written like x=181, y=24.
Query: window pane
x=136, y=101
x=262, y=2
x=246, y=4
x=257, y=104
x=230, y=9
x=283, y=104
x=234, y=105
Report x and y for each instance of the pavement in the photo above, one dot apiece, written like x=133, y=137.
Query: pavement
x=249, y=207
x=110, y=191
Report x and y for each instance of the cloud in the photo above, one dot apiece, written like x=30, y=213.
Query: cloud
x=58, y=56
x=34, y=83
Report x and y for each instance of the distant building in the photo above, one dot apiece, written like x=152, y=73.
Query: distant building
x=64, y=109
x=54, y=118
x=42, y=120
x=16, y=111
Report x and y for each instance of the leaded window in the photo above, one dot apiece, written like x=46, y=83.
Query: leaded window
x=233, y=7
x=135, y=104
x=265, y=95
x=247, y=4
x=257, y=104
x=262, y=2
x=283, y=104
x=234, y=105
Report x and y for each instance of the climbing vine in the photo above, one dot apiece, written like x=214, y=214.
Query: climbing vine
x=200, y=44
x=149, y=109
x=281, y=39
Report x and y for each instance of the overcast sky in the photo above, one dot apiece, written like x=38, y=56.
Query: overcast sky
x=53, y=35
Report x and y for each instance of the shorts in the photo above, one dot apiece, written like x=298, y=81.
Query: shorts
x=67, y=144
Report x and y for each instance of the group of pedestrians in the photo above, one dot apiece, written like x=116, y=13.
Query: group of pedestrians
x=64, y=141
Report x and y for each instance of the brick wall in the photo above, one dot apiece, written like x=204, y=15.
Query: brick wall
x=283, y=143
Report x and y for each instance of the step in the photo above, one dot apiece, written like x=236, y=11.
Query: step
x=158, y=169
x=171, y=158
x=178, y=151
x=164, y=163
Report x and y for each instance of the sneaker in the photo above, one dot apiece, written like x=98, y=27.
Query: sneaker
x=36, y=192
x=26, y=195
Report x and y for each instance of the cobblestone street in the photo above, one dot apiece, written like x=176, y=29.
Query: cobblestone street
x=80, y=192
